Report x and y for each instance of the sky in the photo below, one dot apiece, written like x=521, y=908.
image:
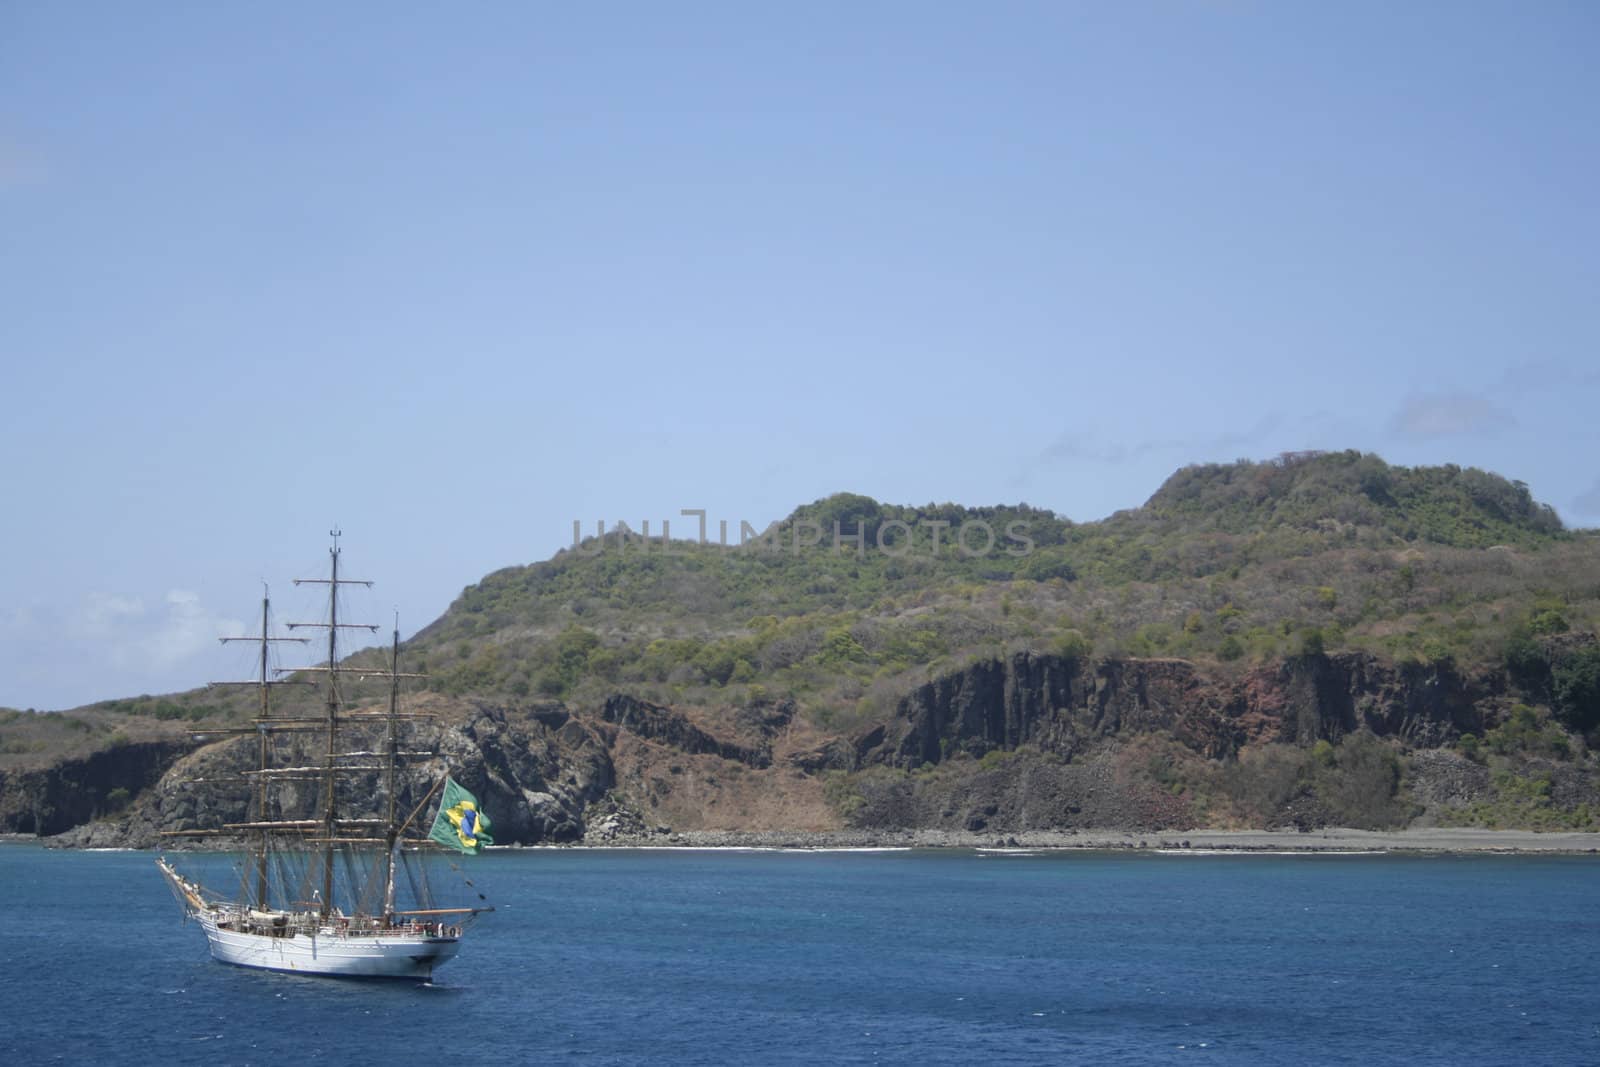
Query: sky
x=450, y=278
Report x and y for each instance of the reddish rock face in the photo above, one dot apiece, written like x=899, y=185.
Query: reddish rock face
x=1061, y=705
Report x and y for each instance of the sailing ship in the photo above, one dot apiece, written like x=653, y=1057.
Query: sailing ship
x=323, y=896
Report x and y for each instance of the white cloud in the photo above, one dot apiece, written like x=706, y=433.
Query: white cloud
x=150, y=640
x=1450, y=413
x=184, y=629
x=104, y=645
x=103, y=612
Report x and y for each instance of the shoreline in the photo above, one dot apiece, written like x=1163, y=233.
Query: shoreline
x=1432, y=840
x=1330, y=840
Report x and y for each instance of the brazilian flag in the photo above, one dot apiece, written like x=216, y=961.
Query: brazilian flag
x=459, y=824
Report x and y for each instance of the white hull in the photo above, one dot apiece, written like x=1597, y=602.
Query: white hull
x=394, y=955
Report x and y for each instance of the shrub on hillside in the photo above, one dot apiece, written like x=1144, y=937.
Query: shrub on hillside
x=1577, y=689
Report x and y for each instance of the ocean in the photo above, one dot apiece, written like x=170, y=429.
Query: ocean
x=927, y=957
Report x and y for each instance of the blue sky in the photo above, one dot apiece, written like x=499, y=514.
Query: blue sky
x=452, y=278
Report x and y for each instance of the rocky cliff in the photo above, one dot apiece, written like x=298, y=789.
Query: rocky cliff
x=1027, y=742
x=1063, y=705
x=1038, y=742
x=536, y=768
x=53, y=799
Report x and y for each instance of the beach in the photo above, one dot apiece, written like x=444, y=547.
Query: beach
x=1432, y=839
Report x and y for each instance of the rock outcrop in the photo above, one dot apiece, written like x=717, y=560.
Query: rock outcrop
x=1063, y=705
x=53, y=799
x=655, y=722
x=1027, y=742
x=537, y=770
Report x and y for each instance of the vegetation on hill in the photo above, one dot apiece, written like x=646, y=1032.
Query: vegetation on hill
x=1234, y=563
x=1357, y=497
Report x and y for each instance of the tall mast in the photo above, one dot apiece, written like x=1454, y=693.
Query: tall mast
x=333, y=729
x=330, y=773
x=391, y=831
x=264, y=684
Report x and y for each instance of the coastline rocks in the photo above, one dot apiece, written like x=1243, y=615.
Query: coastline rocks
x=51, y=800
x=614, y=821
x=655, y=722
x=535, y=780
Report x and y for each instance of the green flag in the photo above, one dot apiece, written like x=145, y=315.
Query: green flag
x=459, y=824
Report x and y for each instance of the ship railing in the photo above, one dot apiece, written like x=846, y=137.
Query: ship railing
x=286, y=924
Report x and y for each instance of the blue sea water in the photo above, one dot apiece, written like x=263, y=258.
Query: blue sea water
x=870, y=957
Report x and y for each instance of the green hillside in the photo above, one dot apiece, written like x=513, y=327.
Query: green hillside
x=1358, y=497
x=1233, y=563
